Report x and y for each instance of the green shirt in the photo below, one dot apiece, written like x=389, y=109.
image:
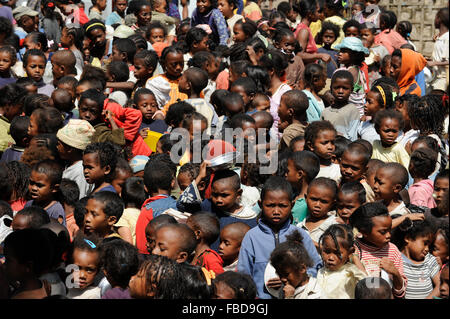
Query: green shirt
x=299, y=211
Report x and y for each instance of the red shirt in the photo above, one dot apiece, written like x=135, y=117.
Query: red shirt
x=211, y=260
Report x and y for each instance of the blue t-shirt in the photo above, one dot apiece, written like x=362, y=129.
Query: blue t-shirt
x=55, y=211
x=156, y=126
x=108, y=188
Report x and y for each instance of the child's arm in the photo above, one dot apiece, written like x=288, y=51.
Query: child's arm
x=125, y=233
x=413, y=216
x=121, y=85
x=437, y=285
x=389, y=267
x=357, y=262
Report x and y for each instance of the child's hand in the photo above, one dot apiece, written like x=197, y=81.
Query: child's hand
x=325, y=57
x=388, y=265
x=288, y=290
x=274, y=283
x=109, y=115
x=144, y=132
x=202, y=173
x=416, y=216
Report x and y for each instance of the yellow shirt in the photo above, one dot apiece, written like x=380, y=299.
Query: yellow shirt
x=340, y=22
x=339, y=284
x=129, y=219
x=396, y=153
x=5, y=138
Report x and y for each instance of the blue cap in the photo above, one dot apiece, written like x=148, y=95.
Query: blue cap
x=352, y=43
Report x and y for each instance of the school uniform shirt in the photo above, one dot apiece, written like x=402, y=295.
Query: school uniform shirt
x=341, y=283
x=129, y=219
x=420, y=283
x=317, y=232
x=75, y=173
x=421, y=193
x=311, y=290
x=332, y=171
x=370, y=257
x=54, y=211
x=395, y=153
x=344, y=119
x=258, y=244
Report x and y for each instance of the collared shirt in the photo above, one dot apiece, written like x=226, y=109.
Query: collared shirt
x=319, y=230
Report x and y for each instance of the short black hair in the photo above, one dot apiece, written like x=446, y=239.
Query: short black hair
x=93, y=95
x=340, y=145
x=442, y=174
x=70, y=80
x=325, y=182
x=359, y=149
x=157, y=175
x=192, y=169
x=367, y=288
x=155, y=25
x=19, y=129
x=313, y=72
x=306, y=161
x=398, y=173
x=366, y=144
x=188, y=241
x=227, y=174
x=79, y=211
x=48, y=120
x=107, y=155
x=133, y=192
x=120, y=261
x=208, y=224
x=362, y=216
x=298, y=101
x=342, y=74
x=194, y=35
x=51, y=169
x=126, y=46
x=70, y=192
x=354, y=188
x=390, y=114
x=112, y=203
x=315, y=128
x=36, y=215
x=277, y=183
x=233, y=99
x=162, y=220
x=247, y=83
x=119, y=70
x=176, y=113
x=150, y=58
x=351, y=23
x=165, y=158
x=238, y=120
x=33, y=52
x=198, y=78
x=423, y=161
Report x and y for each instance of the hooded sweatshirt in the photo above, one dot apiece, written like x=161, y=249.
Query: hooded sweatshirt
x=412, y=64
x=421, y=193
x=258, y=244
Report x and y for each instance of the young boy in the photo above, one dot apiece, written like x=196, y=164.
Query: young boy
x=152, y=226
x=43, y=188
x=421, y=165
x=73, y=139
x=264, y=121
x=230, y=244
x=63, y=101
x=192, y=82
x=159, y=180
x=99, y=165
x=302, y=168
x=293, y=106
x=69, y=196
x=232, y=105
x=272, y=228
x=18, y=131
x=175, y=241
x=103, y=210
x=261, y=102
x=351, y=195
x=63, y=63
x=246, y=88
x=206, y=229
x=34, y=62
x=441, y=184
x=343, y=115
x=30, y=217
x=353, y=166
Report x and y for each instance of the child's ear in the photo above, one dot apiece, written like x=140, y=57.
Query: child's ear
x=107, y=169
x=310, y=146
x=198, y=234
x=182, y=257
x=397, y=188
x=172, y=184
x=301, y=175
x=239, y=192
x=112, y=220
x=201, y=186
x=55, y=188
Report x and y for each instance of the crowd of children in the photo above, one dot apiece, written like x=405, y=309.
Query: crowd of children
x=101, y=198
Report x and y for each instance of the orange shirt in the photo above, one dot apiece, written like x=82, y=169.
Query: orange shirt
x=174, y=93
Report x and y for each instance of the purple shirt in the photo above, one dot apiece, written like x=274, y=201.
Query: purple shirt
x=54, y=211
x=117, y=293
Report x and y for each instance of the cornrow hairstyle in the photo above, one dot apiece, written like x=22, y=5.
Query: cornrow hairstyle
x=388, y=114
x=313, y=129
x=281, y=32
x=19, y=177
x=171, y=49
x=257, y=44
x=404, y=28
x=77, y=33
x=411, y=229
x=427, y=115
x=384, y=95
x=243, y=286
x=200, y=59
x=39, y=38
x=423, y=161
x=48, y=120
x=149, y=57
x=336, y=231
x=352, y=188
x=139, y=41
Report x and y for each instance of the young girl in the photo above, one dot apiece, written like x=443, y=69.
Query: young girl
x=378, y=98
x=95, y=12
x=156, y=32
x=327, y=37
x=145, y=64
x=196, y=40
x=291, y=260
x=72, y=39
x=8, y=57
x=404, y=28
x=342, y=269
x=421, y=166
x=376, y=52
x=48, y=120
x=333, y=13
x=351, y=28
x=314, y=80
x=207, y=61
x=85, y=257
x=228, y=8
x=244, y=30
x=380, y=257
x=440, y=244
x=145, y=101
x=319, y=139
x=351, y=56
x=99, y=46
x=413, y=239
x=206, y=13
x=321, y=201
x=118, y=14
x=234, y=285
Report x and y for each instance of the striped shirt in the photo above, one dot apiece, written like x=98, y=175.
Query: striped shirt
x=370, y=257
x=420, y=283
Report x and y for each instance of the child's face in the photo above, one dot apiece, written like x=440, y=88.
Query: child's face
x=367, y=37
x=95, y=219
x=262, y=104
x=80, y=89
x=291, y=276
x=234, y=108
x=403, y=109
x=93, y=172
x=90, y=111
x=389, y=129
x=101, y=4
x=119, y=180
x=341, y=90
x=212, y=67
x=320, y=201
x=147, y=105
x=344, y=56
x=440, y=248
x=150, y=236
x=380, y=235
x=156, y=35
x=241, y=91
x=184, y=180
x=323, y=145
x=440, y=186
x=352, y=167
x=239, y=35
x=383, y=186
x=372, y=106
x=225, y=8
x=184, y=85
x=347, y=204
x=203, y=6
x=167, y=243
x=174, y=64
x=35, y=67
x=276, y=207
x=87, y=263
x=443, y=289
x=328, y=38
x=65, y=39
x=141, y=71
x=298, y=146
x=40, y=187
x=395, y=67
x=144, y=16
x=5, y=62
x=352, y=32
x=120, y=5
x=293, y=175
x=33, y=128
x=330, y=254
x=230, y=245
x=418, y=248
x=287, y=44
x=117, y=55
x=138, y=285
x=224, y=196
x=283, y=111
x=221, y=289
x=201, y=45
x=356, y=8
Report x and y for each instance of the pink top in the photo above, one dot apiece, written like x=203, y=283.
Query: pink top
x=390, y=39
x=311, y=46
x=421, y=193
x=274, y=104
